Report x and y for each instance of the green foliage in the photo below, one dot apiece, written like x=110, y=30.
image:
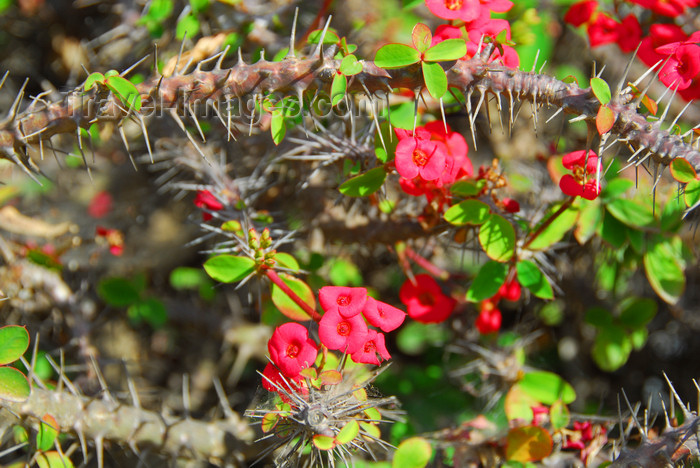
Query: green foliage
x=601, y=90
x=364, y=184
x=412, y=453
x=497, y=238
x=531, y=277
x=121, y=292
x=229, y=268
x=488, y=281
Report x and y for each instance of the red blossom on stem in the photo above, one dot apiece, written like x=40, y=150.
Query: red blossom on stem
x=465, y=10
x=581, y=12
x=581, y=163
x=374, y=346
x=346, y=334
x=489, y=319
x=382, y=315
x=348, y=302
x=425, y=301
x=604, y=30
x=274, y=381
x=291, y=349
x=417, y=157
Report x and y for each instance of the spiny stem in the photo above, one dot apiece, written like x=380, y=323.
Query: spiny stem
x=424, y=263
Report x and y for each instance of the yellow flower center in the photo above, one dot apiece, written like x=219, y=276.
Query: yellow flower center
x=453, y=4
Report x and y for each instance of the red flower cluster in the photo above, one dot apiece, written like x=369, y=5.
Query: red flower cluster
x=425, y=301
x=582, y=164
x=477, y=24
x=205, y=199
x=490, y=318
x=431, y=159
x=343, y=325
x=291, y=351
x=664, y=42
x=114, y=238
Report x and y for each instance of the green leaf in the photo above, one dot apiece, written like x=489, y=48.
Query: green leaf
x=422, y=37
x=497, y=238
x=547, y=387
x=632, y=213
x=615, y=188
x=605, y=119
x=53, y=459
x=13, y=385
x=92, y=79
x=468, y=212
x=330, y=38
x=529, y=443
x=692, y=193
x=598, y=317
x=601, y=90
x=588, y=221
x=14, y=341
x=286, y=305
x=559, y=415
x=556, y=229
x=637, y=312
x=466, y=188
x=199, y=6
x=364, y=184
x=682, y=171
x=159, y=10
x=187, y=26
x=412, y=453
x=518, y=405
x=613, y=231
x=286, y=260
x=269, y=421
x=277, y=126
x=338, y=88
x=348, y=432
x=435, y=79
x=672, y=215
x=396, y=56
x=344, y=273
x=488, y=281
x=350, y=66
x=229, y=268
x=48, y=431
x=118, y=292
x=125, y=91
x=450, y=49
x=151, y=311
x=182, y=278
x=638, y=337
x=611, y=348
x=323, y=442
x=531, y=277
x=664, y=271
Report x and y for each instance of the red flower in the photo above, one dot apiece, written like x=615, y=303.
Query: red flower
x=670, y=8
x=291, y=349
x=603, y=30
x=100, y=205
x=205, y=199
x=348, y=302
x=510, y=205
x=382, y=315
x=581, y=12
x=425, y=301
x=629, y=33
x=465, y=10
x=489, y=319
x=347, y=334
x=274, y=381
x=418, y=157
x=367, y=353
x=683, y=65
x=510, y=290
x=579, y=184
x=444, y=32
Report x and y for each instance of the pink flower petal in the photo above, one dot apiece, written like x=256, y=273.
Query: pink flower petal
x=344, y=334
x=382, y=315
x=570, y=187
x=347, y=301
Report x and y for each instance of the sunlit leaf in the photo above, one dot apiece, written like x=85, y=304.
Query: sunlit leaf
x=435, y=79
x=422, y=37
x=532, y=278
x=396, y=56
x=412, y=453
x=468, y=212
x=323, y=442
x=48, y=431
x=286, y=305
x=13, y=385
x=611, y=348
x=348, y=432
x=14, y=341
x=664, y=271
x=605, y=119
x=682, y=171
x=497, y=238
x=559, y=415
x=547, y=387
x=450, y=49
x=229, y=268
x=338, y=88
x=637, y=312
x=601, y=90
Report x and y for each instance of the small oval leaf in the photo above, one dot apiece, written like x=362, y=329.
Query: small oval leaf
x=450, y=49
x=682, y=171
x=286, y=305
x=14, y=341
x=422, y=37
x=527, y=444
x=435, y=79
x=547, y=387
x=396, y=56
x=13, y=385
x=364, y=184
x=497, y=238
x=488, y=281
x=531, y=277
x=412, y=453
x=229, y=268
x=348, y=432
x=601, y=90
x=48, y=431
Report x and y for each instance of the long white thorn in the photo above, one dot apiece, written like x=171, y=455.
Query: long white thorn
x=292, y=37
